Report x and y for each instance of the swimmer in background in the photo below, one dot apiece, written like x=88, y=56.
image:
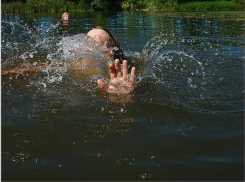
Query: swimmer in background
x=121, y=82
x=65, y=23
x=65, y=16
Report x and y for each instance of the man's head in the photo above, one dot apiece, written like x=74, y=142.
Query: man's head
x=104, y=37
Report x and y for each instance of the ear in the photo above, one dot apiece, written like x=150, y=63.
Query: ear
x=111, y=53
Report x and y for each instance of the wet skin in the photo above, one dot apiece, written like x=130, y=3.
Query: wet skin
x=120, y=81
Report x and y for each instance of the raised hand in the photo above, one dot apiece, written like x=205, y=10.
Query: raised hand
x=120, y=81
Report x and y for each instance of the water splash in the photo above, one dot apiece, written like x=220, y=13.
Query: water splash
x=191, y=73
x=200, y=74
x=81, y=44
x=26, y=45
x=22, y=42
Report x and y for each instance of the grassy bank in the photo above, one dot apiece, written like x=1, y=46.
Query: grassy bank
x=182, y=5
x=207, y=5
x=32, y=6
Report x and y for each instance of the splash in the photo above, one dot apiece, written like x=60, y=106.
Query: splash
x=195, y=73
x=25, y=43
x=81, y=44
x=29, y=46
x=191, y=73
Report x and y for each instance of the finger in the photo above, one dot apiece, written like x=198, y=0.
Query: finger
x=125, y=70
x=118, y=68
x=102, y=84
x=132, y=77
x=133, y=70
x=112, y=71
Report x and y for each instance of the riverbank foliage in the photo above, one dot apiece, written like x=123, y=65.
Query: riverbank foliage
x=31, y=6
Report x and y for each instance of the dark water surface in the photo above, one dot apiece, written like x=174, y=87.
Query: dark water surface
x=184, y=121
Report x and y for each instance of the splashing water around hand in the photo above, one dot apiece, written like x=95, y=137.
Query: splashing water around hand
x=184, y=72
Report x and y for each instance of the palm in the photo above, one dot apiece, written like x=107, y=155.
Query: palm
x=120, y=82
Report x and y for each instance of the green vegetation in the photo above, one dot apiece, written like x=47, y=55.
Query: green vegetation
x=182, y=5
x=25, y=6
x=207, y=5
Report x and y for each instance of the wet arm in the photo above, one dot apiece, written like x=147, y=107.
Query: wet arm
x=24, y=68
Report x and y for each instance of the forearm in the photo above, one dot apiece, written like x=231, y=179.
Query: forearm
x=24, y=68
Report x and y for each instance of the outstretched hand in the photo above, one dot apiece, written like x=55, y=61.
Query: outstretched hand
x=120, y=81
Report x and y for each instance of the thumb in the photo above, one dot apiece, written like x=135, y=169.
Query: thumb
x=102, y=84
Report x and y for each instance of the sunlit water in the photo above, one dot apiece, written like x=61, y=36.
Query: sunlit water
x=184, y=120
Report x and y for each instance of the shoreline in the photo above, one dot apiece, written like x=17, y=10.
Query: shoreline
x=202, y=6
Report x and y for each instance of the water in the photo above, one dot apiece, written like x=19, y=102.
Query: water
x=184, y=121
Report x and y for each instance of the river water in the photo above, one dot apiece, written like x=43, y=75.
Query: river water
x=184, y=121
